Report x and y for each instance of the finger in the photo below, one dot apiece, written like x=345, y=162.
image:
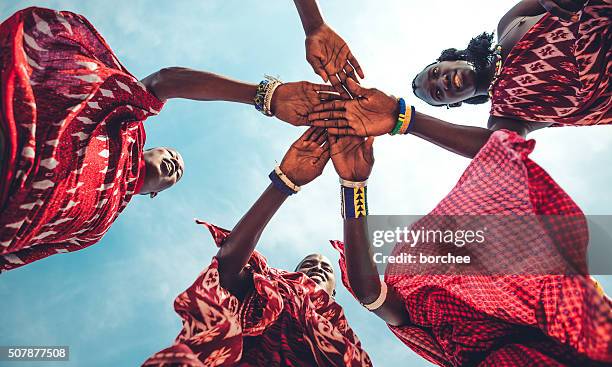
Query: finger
x=342, y=131
x=354, y=88
x=369, y=145
x=337, y=84
x=317, y=134
x=323, y=88
x=335, y=123
x=322, y=138
x=308, y=133
x=350, y=72
x=356, y=65
x=325, y=155
x=328, y=97
x=554, y=9
x=330, y=106
x=317, y=66
x=327, y=115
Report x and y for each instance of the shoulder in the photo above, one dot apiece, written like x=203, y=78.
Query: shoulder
x=521, y=9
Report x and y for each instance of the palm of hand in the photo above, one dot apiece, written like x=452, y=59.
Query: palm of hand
x=372, y=115
x=324, y=46
x=292, y=102
x=307, y=157
x=352, y=156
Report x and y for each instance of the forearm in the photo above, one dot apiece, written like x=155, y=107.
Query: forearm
x=235, y=252
x=363, y=275
x=463, y=140
x=310, y=15
x=177, y=82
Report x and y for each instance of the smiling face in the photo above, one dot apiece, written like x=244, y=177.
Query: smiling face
x=446, y=82
x=318, y=268
x=164, y=167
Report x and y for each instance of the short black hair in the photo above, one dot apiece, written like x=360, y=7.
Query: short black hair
x=480, y=53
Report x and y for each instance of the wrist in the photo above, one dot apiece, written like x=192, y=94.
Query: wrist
x=264, y=99
x=353, y=199
x=404, y=117
x=314, y=26
x=283, y=182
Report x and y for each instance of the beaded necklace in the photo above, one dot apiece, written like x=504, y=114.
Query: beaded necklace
x=497, y=55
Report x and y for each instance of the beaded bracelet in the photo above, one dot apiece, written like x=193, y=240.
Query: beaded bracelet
x=264, y=93
x=404, y=118
x=354, y=200
x=382, y=296
x=282, y=182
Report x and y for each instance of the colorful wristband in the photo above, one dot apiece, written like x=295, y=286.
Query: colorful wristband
x=264, y=93
x=282, y=182
x=354, y=202
x=404, y=119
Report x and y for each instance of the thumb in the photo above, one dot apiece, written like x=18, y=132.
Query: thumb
x=369, y=146
x=354, y=87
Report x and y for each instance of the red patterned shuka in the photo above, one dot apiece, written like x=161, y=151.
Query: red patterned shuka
x=287, y=320
x=559, y=72
x=504, y=320
x=71, y=117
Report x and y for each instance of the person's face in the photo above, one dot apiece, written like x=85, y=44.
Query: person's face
x=318, y=268
x=164, y=168
x=446, y=82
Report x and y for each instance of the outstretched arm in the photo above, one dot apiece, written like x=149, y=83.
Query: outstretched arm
x=374, y=113
x=303, y=162
x=327, y=53
x=353, y=158
x=291, y=102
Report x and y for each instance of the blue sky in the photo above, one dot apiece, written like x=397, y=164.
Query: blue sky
x=112, y=303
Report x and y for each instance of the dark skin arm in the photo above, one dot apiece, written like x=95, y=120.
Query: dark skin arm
x=302, y=163
x=327, y=53
x=375, y=113
x=291, y=102
x=353, y=158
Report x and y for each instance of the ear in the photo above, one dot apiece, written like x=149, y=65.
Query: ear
x=152, y=195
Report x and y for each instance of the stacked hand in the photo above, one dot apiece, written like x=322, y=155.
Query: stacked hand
x=331, y=58
x=353, y=156
x=306, y=158
x=292, y=102
x=371, y=113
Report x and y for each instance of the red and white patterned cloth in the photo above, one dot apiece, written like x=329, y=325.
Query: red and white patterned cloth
x=503, y=320
x=71, y=116
x=560, y=71
x=287, y=320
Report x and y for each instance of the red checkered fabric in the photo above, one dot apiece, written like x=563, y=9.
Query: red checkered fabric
x=503, y=320
x=560, y=71
x=286, y=321
x=71, y=116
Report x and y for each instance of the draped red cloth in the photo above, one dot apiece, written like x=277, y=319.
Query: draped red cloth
x=287, y=320
x=560, y=71
x=71, y=116
x=503, y=320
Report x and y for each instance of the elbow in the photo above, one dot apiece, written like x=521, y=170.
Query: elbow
x=162, y=82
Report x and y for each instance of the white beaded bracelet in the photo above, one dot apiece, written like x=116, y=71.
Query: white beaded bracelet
x=274, y=83
x=380, y=300
x=286, y=179
x=353, y=184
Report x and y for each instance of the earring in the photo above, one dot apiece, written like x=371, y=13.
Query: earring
x=456, y=104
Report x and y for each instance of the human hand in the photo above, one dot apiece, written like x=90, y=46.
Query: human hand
x=292, y=102
x=371, y=113
x=306, y=158
x=331, y=58
x=563, y=9
x=353, y=156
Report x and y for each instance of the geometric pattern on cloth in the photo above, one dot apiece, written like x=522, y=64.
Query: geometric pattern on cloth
x=559, y=72
x=72, y=120
x=503, y=320
x=287, y=320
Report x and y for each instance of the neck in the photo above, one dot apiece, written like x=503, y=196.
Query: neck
x=484, y=78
